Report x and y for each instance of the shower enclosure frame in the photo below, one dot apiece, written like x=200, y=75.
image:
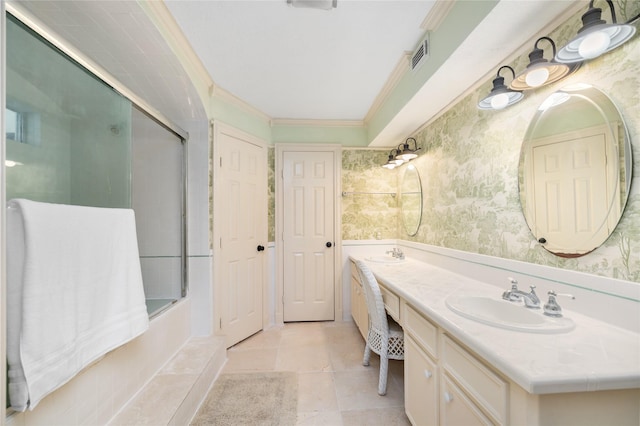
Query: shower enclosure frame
x=155, y=115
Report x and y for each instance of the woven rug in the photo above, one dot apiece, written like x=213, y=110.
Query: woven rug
x=251, y=399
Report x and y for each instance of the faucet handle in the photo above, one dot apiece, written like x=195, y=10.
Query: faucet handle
x=511, y=294
x=552, y=308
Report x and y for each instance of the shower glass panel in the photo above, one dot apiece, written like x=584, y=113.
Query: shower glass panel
x=72, y=136
x=72, y=139
x=157, y=194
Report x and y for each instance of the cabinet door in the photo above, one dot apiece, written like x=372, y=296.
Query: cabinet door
x=457, y=409
x=359, y=308
x=355, y=306
x=420, y=385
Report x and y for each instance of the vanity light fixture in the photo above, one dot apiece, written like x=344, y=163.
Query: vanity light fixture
x=540, y=71
x=407, y=154
x=393, y=162
x=500, y=96
x=596, y=36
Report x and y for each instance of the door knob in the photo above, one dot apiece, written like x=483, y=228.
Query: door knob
x=260, y=248
x=329, y=244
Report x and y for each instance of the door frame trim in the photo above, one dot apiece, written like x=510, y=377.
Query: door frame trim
x=217, y=128
x=279, y=225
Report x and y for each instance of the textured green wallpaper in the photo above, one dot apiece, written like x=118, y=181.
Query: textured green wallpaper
x=469, y=168
x=370, y=204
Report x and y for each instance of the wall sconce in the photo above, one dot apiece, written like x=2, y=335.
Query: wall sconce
x=596, y=36
x=500, y=96
x=540, y=71
x=393, y=161
x=407, y=154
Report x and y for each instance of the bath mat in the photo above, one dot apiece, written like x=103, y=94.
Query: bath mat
x=251, y=399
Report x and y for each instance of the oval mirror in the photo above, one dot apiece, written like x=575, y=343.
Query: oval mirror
x=575, y=170
x=411, y=200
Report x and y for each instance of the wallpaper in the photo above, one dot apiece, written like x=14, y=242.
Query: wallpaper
x=469, y=168
x=370, y=202
x=469, y=171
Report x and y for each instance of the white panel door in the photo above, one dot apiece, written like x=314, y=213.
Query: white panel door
x=308, y=201
x=243, y=187
x=571, y=180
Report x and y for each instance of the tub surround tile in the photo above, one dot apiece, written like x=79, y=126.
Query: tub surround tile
x=175, y=393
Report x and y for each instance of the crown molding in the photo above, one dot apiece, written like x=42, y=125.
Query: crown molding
x=216, y=91
x=169, y=28
x=402, y=67
x=436, y=15
x=316, y=123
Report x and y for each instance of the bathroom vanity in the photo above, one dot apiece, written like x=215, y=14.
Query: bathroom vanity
x=459, y=371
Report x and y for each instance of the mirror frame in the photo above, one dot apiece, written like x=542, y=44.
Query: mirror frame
x=617, y=174
x=411, y=227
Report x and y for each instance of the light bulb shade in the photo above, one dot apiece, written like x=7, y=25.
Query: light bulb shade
x=500, y=96
x=540, y=71
x=595, y=38
x=541, y=74
x=407, y=154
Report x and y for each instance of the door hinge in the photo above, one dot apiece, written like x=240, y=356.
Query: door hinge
x=220, y=161
x=220, y=242
x=220, y=323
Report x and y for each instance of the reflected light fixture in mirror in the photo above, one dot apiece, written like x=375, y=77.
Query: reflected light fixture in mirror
x=500, y=96
x=407, y=154
x=540, y=71
x=596, y=36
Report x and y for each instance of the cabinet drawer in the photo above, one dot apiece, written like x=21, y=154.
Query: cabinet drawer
x=391, y=303
x=487, y=388
x=422, y=330
x=457, y=409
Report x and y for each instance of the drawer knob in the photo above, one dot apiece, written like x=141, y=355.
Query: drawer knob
x=448, y=397
x=427, y=374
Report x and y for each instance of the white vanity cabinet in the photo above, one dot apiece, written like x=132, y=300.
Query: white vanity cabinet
x=445, y=384
x=461, y=372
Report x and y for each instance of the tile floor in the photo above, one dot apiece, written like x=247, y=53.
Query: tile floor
x=334, y=388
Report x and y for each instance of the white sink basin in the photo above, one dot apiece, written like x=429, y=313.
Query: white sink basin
x=505, y=314
x=384, y=259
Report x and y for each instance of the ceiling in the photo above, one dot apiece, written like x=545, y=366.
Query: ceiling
x=301, y=63
x=293, y=63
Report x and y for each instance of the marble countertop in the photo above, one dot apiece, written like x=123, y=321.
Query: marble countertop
x=593, y=356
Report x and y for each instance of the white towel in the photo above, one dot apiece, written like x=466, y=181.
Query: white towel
x=74, y=292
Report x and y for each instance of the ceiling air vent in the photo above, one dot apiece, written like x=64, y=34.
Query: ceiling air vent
x=420, y=54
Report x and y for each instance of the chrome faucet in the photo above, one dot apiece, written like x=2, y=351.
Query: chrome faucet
x=396, y=252
x=551, y=308
x=530, y=299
